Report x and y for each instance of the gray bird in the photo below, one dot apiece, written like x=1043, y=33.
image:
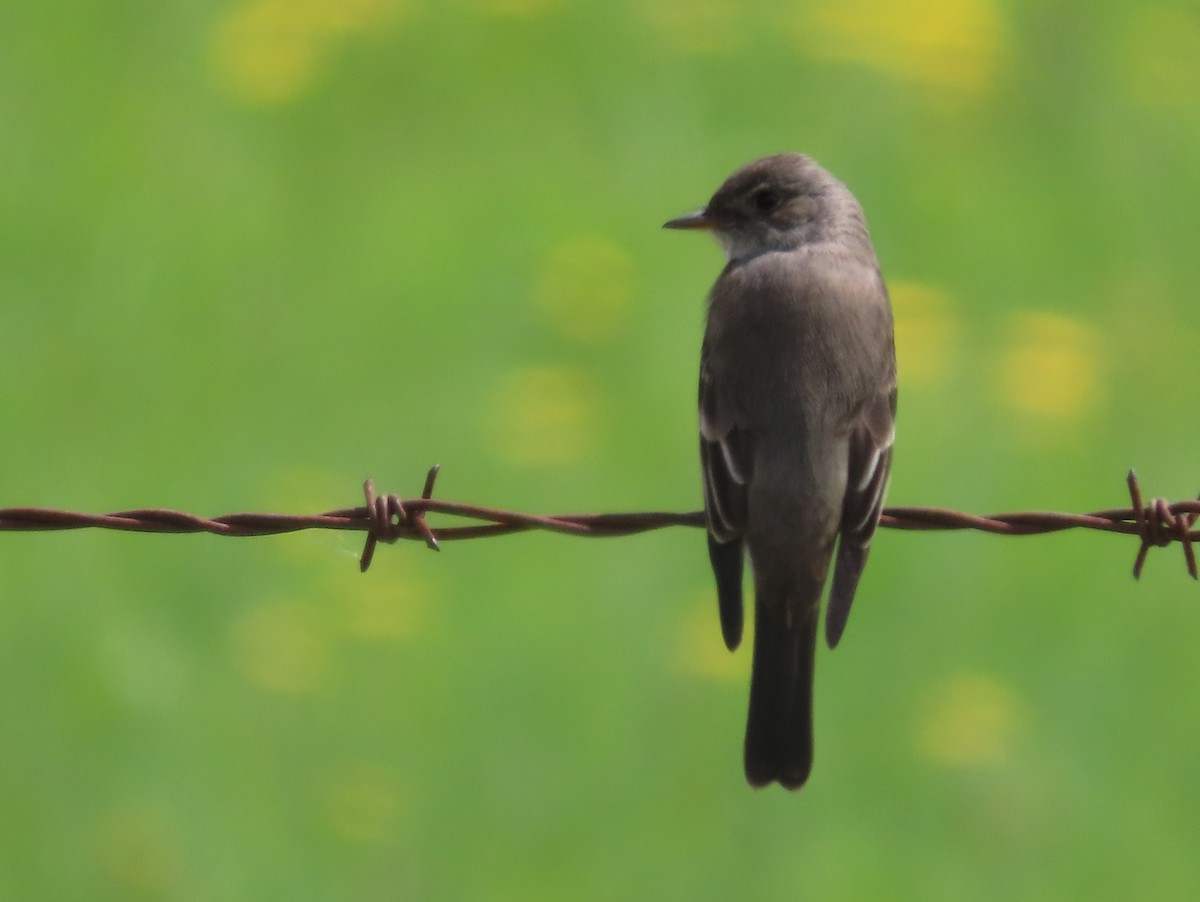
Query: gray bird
x=797, y=406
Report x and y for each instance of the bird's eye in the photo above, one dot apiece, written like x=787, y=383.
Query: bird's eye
x=765, y=200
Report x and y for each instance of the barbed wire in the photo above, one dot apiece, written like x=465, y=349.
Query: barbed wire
x=387, y=518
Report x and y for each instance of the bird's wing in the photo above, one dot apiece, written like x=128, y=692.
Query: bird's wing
x=727, y=462
x=870, y=462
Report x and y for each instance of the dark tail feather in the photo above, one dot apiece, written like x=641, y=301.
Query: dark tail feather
x=779, y=742
x=726, y=558
x=851, y=559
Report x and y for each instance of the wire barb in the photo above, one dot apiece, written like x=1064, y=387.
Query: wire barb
x=389, y=519
x=1158, y=523
x=386, y=518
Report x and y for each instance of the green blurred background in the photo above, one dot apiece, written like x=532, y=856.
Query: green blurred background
x=252, y=252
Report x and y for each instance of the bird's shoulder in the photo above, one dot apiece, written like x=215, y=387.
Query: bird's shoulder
x=827, y=268
x=817, y=286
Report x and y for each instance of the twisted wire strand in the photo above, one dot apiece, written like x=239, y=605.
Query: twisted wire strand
x=387, y=518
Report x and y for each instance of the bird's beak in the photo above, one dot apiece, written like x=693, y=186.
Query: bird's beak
x=701, y=219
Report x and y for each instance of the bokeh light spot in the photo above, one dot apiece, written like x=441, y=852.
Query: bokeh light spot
x=543, y=415
x=927, y=332
x=279, y=647
x=951, y=44
x=970, y=721
x=1051, y=368
x=585, y=287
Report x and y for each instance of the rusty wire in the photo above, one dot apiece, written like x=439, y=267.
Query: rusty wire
x=387, y=518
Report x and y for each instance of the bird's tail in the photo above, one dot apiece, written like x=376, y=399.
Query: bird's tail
x=779, y=743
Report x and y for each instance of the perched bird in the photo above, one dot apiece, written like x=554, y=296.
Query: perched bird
x=797, y=406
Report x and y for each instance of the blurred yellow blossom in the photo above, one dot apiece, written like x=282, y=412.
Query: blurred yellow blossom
x=543, y=415
x=279, y=646
x=927, y=331
x=584, y=287
x=382, y=610
x=701, y=650
x=951, y=44
x=970, y=721
x=1051, y=368
x=270, y=51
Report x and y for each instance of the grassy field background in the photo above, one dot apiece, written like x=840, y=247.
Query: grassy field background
x=253, y=252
